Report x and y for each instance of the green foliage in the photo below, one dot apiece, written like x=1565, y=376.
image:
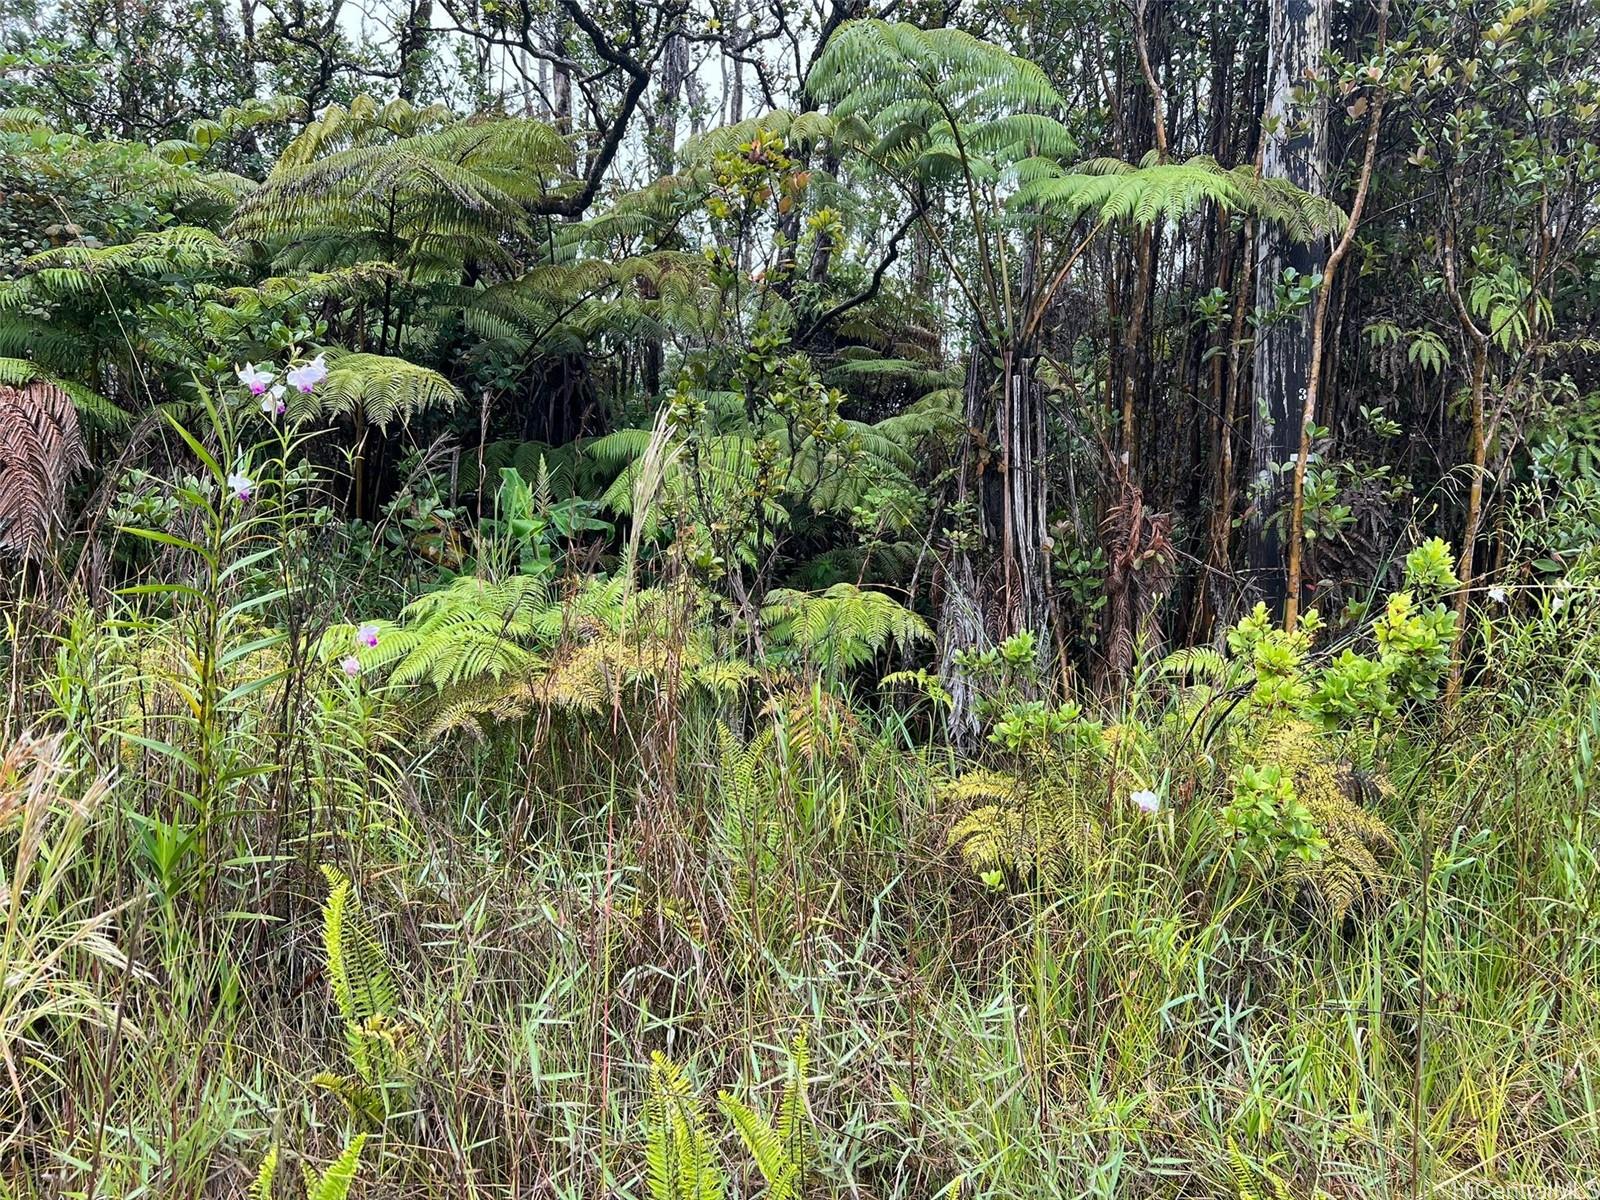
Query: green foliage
x=1113, y=191
x=364, y=993
x=266, y=1175
x=358, y=185
x=1297, y=813
x=842, y=628
x=335, y=1182
x=934, y=99
x=467, y=629
x=383, y=389
x=678, y=1143
x=1267, y=818
x=782, y=1151
x=1244, y=1174
x=791, y=371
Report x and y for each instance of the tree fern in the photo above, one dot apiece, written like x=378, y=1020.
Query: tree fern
x=354, y=188
x=603, y=646
x=1113, y=191
x=889, y=70
x=843, y=627
x=471, y=627
x=385, y=390
x=74, y=269
x=938, y=105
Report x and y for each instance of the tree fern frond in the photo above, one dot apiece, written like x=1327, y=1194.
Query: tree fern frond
x=387, y=390
x=41, y=448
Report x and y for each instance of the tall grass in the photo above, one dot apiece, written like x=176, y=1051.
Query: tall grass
x=703, y=877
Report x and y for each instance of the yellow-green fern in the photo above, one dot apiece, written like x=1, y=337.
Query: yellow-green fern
x=678, y=1145
x=376, y=1038
x=782, y=1151
x=1022, y=827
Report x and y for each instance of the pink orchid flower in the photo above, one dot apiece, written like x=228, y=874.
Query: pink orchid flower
x=253, y=377
x=308, y=375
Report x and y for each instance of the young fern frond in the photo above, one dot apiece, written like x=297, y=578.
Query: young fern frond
x=1244, y=1176
x=358, y=970
x=335, y=1182
x=678, y=1145
x=266, y=1176
x=364, y=992
x=795, y=1129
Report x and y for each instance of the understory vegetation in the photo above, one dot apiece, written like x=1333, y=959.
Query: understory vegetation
x=613, y=600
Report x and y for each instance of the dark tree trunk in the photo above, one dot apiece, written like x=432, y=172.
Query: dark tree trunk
x=1294, y=148
x=413, y=49
x=1000, y=585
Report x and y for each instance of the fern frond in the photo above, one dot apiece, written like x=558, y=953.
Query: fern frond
x=335, y=1182
x=388, y=390
x=1026, y=827
x=41, y=448
x=843, y=627
x=261, y=1186
x=358, y=970
x=678, y=1145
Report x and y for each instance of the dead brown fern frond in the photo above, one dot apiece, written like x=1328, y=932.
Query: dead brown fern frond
x=41, y=447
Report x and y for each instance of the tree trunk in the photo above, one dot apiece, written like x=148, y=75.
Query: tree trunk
x=561, y=80
x=1294, y=148
x=1001, y=585
x=413, y=49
